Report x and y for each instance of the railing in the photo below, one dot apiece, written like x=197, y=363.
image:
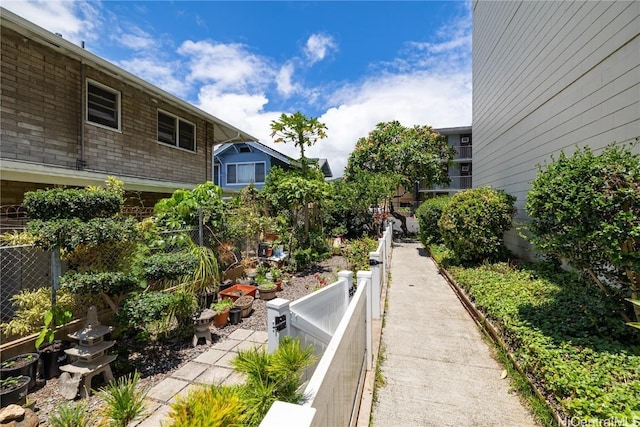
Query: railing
x=334, y=385
x=458, y=182
x=463, y=152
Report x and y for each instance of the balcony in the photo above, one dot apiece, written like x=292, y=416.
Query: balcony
x=463, y=152
x=457, y=183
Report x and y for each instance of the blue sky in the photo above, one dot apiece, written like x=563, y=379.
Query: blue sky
x=351, y=64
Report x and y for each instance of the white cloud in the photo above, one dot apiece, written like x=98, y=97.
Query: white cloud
x=318, y=47
x=232, y=67
x=283, y=81
x=160, y=73
x=74, y=20
x=136, y=39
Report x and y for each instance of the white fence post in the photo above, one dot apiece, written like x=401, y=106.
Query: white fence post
x=375, y=258
x=347, y=276
x=276, y=308
x=366, y=277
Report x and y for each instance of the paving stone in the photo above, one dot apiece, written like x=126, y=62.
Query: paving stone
x=225, y=360
x=166, y=389
x=210, y=356
x=184, y=392
x=214, y=375
x=259, y=337
x=246, y=345
x=226, y=345
x=234, y=378
x=190, y=371
x=240, y=334
x=157, y=418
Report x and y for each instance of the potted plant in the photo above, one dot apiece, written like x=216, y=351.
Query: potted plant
x=51, y=350
x=22, y=365
x=221, y=307
x=276, y=275
x=13, y=390
x=267, y=290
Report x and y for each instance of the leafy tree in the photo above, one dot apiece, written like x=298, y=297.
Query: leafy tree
x=416, y=155
x=290, y=191
x=586, y=209
x=348, y=207
x=303, y=131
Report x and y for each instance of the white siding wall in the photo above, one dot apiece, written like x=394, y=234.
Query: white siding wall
x=550, y=76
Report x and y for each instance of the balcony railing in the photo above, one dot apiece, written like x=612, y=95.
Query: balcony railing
x=462, y=152
x=457, y=183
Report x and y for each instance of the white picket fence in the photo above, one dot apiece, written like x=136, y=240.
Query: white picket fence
x=339, y=328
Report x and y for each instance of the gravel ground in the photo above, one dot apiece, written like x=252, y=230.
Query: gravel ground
x=157, y=361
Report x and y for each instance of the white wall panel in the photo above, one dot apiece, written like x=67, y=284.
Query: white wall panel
x=550, y=76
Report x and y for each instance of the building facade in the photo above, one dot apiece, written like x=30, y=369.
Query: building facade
x=71, y=118
x=549, y=77
x=460, y=171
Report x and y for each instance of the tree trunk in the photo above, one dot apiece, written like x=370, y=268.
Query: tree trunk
x=401, y=218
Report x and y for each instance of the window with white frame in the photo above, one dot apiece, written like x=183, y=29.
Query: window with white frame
x=103, y=105
x=172, y=130
x=245, y=173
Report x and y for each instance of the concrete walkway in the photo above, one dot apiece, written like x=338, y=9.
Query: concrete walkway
x=438, y=369
x=211, y=367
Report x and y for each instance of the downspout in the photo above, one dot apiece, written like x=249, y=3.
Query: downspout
x=206, y=152
x=83, y=105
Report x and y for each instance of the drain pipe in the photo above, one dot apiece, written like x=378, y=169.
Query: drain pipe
x=83, y=106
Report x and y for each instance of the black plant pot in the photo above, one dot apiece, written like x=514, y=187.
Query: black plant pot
x=52, y=356
x=24, y=364
x=15, y=395
x=234, y=315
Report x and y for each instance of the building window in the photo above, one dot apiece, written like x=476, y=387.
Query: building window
x=216, y=174
x=103, y=105
x=245, y=173
x=173, y=130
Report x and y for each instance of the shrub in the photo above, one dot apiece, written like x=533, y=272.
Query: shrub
x=214, y=405
x=96, y=283
x=169, y=266
x=154, y=310
x=31, y=304
x=272, y=376
x=123, y=400
x=428, y=215
x=473, y=223
x=586, y=209
x=72, y=414
x=67, y=203
x=357, y=253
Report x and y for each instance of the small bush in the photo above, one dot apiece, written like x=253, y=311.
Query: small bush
x=428, y=215
x=96, y=283
x=473, y=223
x=169, y=266
x=124, y=401
x=154, y=310
x=214, y=405
x=357, y=253
x=72, y=414
x=67, y=203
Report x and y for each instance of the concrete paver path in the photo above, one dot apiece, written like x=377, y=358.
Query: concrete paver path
x=438, y=369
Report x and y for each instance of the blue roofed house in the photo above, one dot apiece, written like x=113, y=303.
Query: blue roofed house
x=235, y=165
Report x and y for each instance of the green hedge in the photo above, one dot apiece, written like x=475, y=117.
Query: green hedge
x=95, y=283
x=566, y=336
x=67, y=203
x=474, y=221
x=169, y=266
x=428, y=215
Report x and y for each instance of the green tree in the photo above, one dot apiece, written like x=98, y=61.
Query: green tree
x=303, y=131
x=416, y=156
x=290, y=191
x=586, y=209
x=348, y=207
